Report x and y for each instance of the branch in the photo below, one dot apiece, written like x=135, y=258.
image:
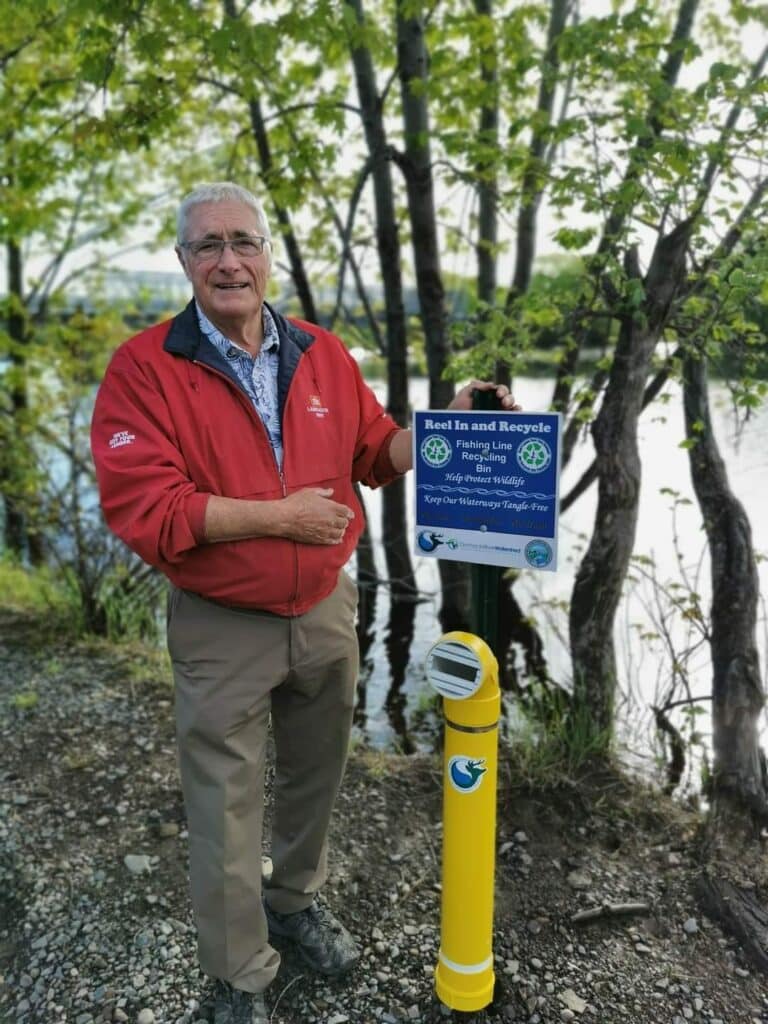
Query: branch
x=357, y=192
x=48, y=276
x=314, y=105
x=732, y=237
x=610, y=910
x=730, y=123
x=98, y=263
x=670, y=71
x=222, y=86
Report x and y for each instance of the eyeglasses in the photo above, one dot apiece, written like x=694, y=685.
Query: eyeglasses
x=212, y=248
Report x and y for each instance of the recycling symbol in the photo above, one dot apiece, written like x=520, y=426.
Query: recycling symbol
x=436, y=450
x=534, y=455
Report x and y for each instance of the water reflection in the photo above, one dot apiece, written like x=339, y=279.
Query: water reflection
x=402, y=616
x=534, y=607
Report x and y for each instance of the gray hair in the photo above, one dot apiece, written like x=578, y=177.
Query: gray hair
x=218, y=192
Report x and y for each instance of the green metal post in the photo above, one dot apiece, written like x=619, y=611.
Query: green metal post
x=485, y=579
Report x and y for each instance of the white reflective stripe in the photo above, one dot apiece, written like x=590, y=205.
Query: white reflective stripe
x=466, y=968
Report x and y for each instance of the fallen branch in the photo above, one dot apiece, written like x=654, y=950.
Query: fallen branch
x=610, y=910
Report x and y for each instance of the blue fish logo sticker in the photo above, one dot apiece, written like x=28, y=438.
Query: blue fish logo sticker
x=466, y=773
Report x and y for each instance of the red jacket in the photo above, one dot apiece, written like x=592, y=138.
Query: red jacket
x=172, y=426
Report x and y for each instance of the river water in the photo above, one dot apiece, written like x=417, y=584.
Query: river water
x=669, y=536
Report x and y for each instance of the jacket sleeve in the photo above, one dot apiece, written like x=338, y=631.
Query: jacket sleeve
x=372, y=464
x=147, y=496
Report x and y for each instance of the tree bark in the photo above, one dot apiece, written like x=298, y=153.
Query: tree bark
x=597, y=589
x=737, y=691
x=15, y=520
x=413, y=62
x=534, y=175
x=395, y=533
x=732, y=849
x=417, y=167
x=486, y=170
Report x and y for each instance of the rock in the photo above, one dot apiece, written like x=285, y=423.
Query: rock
x=691, y=926
x=572, y=1001
x=580, y=879
x=137, y=863
x=146, y=1016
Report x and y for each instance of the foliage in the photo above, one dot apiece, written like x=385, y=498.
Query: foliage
x=33, y=591
x=551, y=738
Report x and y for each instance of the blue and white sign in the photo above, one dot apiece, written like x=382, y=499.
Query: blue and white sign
x=487, y=487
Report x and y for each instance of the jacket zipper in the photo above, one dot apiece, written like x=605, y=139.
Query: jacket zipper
x=283, y=486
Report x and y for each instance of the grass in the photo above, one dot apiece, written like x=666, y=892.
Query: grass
x=553, y=740
x=37, y=592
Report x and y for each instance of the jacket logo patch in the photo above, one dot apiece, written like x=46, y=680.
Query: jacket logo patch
x=121, y=438
x=315, y=405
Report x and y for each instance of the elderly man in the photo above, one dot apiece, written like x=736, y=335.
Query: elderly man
x=227, y=442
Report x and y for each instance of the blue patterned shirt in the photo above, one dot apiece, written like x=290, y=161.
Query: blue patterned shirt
x=257, y=375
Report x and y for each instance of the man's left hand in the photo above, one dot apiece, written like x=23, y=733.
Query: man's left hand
x=463, y=398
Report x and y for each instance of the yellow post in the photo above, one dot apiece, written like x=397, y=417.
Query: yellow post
x=462, y=668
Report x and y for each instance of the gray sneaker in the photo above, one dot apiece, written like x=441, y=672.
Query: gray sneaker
x=321, y=938
x=233, y=1006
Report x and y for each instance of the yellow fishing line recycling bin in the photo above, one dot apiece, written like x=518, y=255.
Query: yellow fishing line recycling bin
x=464, y=671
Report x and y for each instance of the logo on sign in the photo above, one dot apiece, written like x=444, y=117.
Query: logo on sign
x=436, y=450
x=538, y=553
x=534, y=455
x=466, y=773
x=428, y=541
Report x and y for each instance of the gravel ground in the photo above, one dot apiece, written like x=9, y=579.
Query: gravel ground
x=95, y=923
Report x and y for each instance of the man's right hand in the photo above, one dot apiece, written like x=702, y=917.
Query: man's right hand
x=313, y=518
x=308, y=516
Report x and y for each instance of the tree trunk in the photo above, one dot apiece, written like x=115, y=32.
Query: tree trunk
x=15, y=520
x=417, y=166
x=486, y=170
x=395, y=532
x=413, y=63
x=737, y=691
x=739, y=799
x=621, y=212
x=367, y=585
x=597, y=589
x=258, y=128
x=298, y=271
x=534, y=176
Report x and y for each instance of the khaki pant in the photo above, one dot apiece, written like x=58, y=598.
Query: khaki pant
x=231, y=670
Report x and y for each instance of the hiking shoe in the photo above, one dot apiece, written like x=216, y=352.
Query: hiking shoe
x=233, y=1006
x=321, y=938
